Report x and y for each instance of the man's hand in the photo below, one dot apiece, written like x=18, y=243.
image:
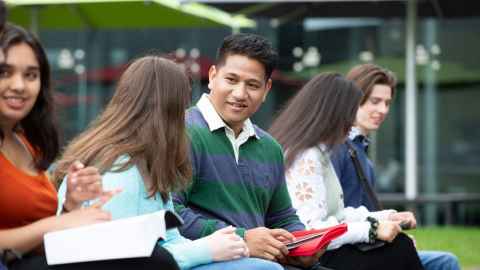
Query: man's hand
x=268, y=243
x=404, y=216
x=304, y=261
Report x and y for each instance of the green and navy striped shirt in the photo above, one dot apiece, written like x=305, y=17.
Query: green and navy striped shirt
x=246, y=194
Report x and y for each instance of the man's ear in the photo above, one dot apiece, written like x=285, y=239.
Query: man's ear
x=212, y=71
x=268, y=86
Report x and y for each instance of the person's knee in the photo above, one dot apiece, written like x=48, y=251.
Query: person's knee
x=405, y=241
x=439, y=260
x=449, y=260
x=261, y=264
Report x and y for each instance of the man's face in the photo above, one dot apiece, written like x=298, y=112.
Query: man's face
x=237, y=89
x=373, y=112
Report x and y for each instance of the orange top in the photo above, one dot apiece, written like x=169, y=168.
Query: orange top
x=24, y=198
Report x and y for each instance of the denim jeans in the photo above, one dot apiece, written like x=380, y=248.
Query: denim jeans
x=438, y=260
x=241, y=264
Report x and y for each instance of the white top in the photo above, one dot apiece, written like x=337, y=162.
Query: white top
x=317, y=195
x=215, y=122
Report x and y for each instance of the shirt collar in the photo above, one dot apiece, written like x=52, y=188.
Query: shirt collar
x=214, y=120
x=356, y=134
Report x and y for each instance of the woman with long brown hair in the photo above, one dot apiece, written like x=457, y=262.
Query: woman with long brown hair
x=139, y=145
x=313, y=123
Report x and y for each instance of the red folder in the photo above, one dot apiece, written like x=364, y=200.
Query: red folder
x=309, y=242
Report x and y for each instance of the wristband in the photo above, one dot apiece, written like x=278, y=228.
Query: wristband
x=372, y=233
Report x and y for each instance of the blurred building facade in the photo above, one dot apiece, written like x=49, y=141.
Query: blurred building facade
x=86, y=65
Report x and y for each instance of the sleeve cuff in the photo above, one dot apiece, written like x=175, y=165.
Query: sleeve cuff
x=360, y=231
x=240, y=232
x=190, y=253
x=382, y=215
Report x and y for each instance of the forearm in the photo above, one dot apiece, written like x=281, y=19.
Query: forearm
x=361, y=213
x=281, y=213
x=357, y=233
x=26, y=238
x=195, y=224
x=286, y=219
x=188, y=254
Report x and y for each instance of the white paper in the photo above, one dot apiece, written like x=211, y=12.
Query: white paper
x=123, y=238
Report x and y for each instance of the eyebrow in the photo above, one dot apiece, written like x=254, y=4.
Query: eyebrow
x=33, y=68
x=29, y=68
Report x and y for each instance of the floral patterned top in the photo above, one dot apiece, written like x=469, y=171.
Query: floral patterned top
x=317, y=195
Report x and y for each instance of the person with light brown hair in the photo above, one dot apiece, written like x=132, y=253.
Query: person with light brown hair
x=140, y=146
x=378, y=85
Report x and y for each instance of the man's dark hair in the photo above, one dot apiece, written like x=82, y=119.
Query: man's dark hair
x=252, y=46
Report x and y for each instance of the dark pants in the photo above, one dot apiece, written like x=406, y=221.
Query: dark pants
x=161, y=259
x=400, y=254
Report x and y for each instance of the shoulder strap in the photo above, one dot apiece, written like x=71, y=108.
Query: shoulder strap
x=362, y=178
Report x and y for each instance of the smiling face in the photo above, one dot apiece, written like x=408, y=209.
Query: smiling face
x=237, y=89
x=373, y=112
x=19, y=84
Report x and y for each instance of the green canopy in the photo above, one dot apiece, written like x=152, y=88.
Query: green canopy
x=119, y=14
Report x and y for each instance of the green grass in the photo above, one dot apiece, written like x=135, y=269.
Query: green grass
x=464, y=242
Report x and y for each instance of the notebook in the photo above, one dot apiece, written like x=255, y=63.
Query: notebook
x=309, y=242
x=123, y=238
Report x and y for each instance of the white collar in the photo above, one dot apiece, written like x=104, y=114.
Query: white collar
x=214, y=120
x=354, y=132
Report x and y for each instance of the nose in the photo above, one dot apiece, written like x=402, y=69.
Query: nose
x=239, y=92
x=383, y=108
x=17, y=82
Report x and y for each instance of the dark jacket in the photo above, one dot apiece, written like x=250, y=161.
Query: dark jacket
x=354, y=193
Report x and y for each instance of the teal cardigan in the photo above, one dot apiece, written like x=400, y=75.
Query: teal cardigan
x=134, y=201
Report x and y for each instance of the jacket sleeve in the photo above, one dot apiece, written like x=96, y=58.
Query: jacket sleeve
x=187, y=253
x=281, y=213
x=306, y=185
x=195, y=224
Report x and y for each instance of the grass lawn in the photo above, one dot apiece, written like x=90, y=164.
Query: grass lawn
x=464, y=242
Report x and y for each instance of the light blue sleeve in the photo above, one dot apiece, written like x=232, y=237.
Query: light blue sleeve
x=133, y=200
x=126, y=203
x=62, y=190
x=186, y=252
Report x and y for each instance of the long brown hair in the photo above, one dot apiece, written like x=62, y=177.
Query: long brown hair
x=144, y=120
x=366, y=76
x=323, y=111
